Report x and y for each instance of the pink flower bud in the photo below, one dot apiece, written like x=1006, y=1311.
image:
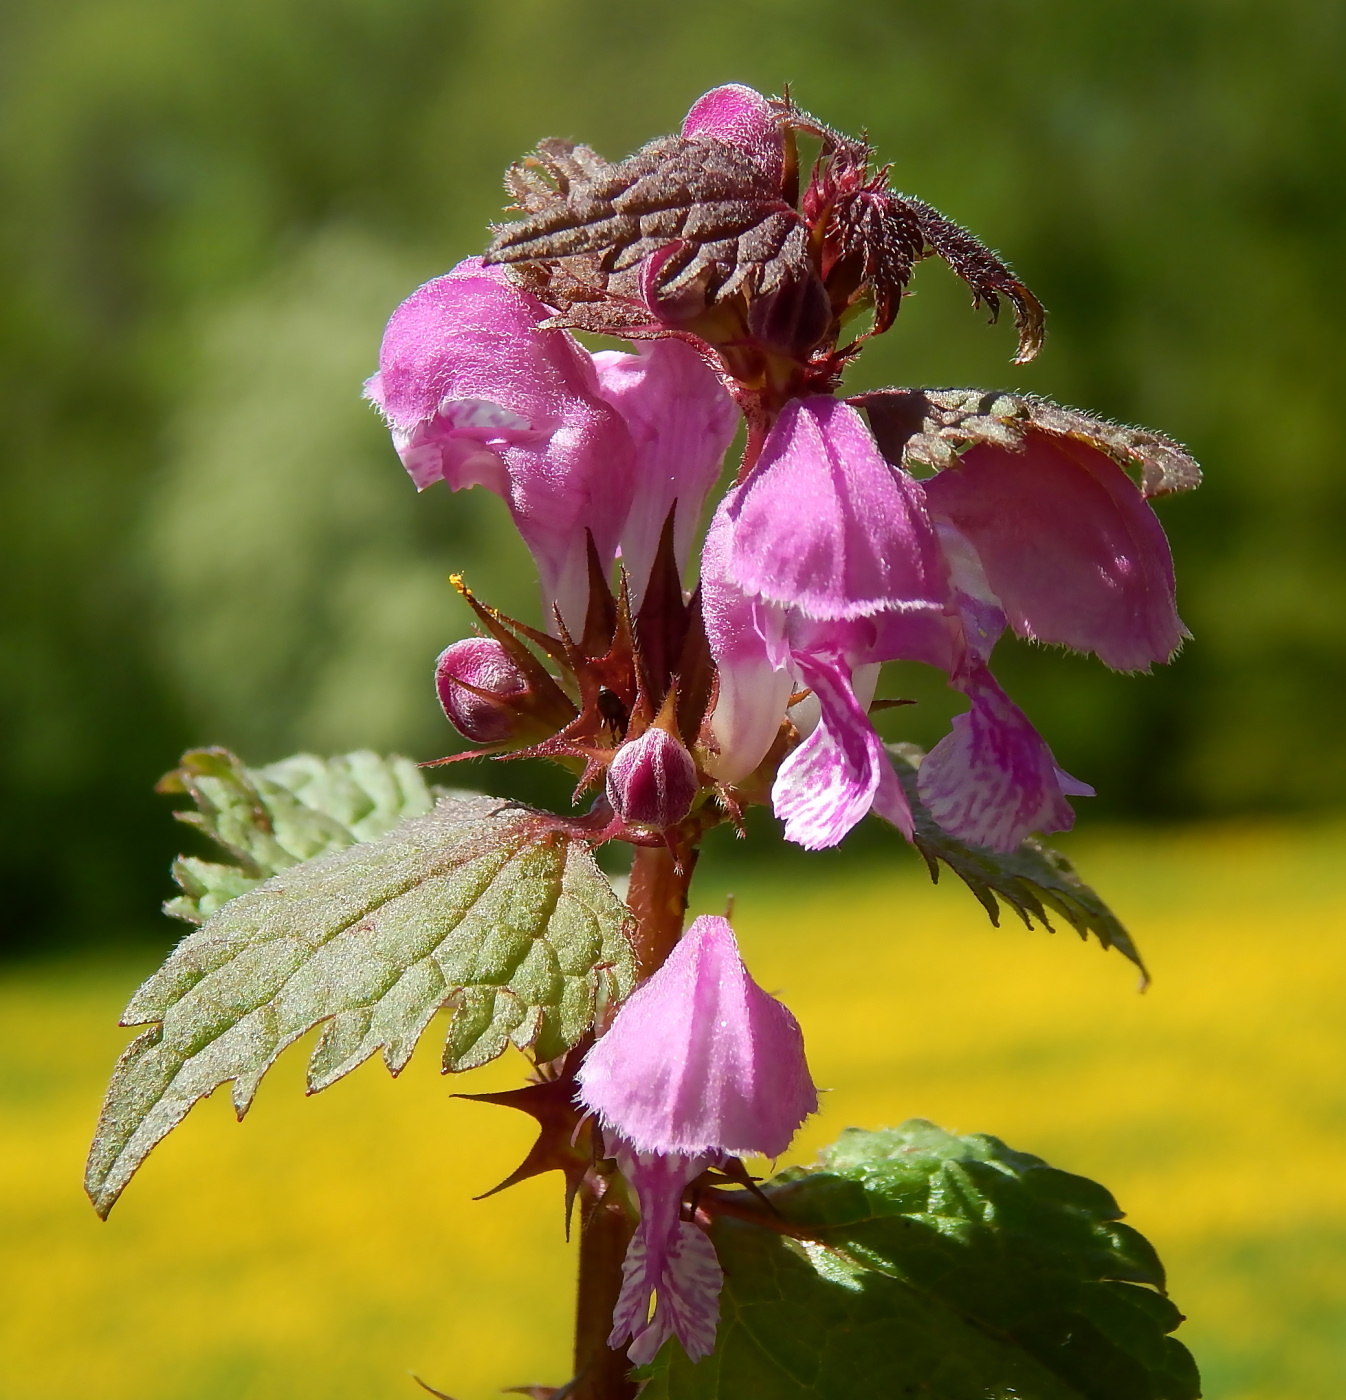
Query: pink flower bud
x=652, y=781
x=739, y=116
x=485, y=665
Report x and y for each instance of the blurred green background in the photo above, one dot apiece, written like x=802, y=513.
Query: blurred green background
x=210, y=208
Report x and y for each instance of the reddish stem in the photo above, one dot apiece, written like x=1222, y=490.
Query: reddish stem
x=658, y=898
x=606, y=1225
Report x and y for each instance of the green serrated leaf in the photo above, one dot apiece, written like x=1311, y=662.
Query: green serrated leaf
x=1032, y=880
x=478, y=905
x=925, y=1264
x=271, y=818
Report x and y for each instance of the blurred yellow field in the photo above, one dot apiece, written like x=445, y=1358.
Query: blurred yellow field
x=329, y=1246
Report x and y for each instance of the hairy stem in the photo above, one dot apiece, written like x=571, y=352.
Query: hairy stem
x=606, y=1225
x=658, y=898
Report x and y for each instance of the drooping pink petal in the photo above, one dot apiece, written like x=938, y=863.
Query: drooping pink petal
x=742, y=117
x=476, y=394
x=682, y=421
x=753, y=689
x=1069, y=546
x=700, y=1058
x=824, y=525
x=834, y=776
x=993, y=781
x=669, y=1259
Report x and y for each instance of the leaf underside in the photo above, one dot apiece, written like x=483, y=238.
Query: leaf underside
x=477, y=906
x=944, y=1267
x=929, y=428
x=1035, y=881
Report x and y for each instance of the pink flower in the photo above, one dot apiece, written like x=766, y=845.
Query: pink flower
x=700, y=1064
x=764, y=651
x=827, y=562
x=825, y=526
x=804, y=562
x=477, y=395
x=682, y=421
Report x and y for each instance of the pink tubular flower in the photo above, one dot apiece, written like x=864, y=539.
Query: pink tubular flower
x=1068, y=545
x=840, y=771
x=477, y=395
x=1055, y=541
x=803, y=563
x=828, y=560
x=825, y=526
x=700, y=1064
x=682, y=421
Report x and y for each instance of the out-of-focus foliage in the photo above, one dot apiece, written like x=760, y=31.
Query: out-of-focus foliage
x=210, y=208
x=268, y=819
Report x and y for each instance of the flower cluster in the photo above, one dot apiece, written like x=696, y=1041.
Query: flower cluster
x=902, y=525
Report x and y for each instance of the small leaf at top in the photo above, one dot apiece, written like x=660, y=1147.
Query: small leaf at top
x=724, y=224
x=478, y=906
x=1031, y=880
x=928, y=429
x=916, y=1262
x=269, y=819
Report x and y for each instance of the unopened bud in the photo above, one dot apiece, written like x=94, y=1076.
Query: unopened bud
x=483, y=664
x=652, y=781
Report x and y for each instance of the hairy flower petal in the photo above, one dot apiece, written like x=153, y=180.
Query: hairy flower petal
x=823, y=524
x=1069, y=546
x=832, y=779
x=476, y=394
x=700, y=1058
x=682, y=421
x=669, y=1259
x=992, y=780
